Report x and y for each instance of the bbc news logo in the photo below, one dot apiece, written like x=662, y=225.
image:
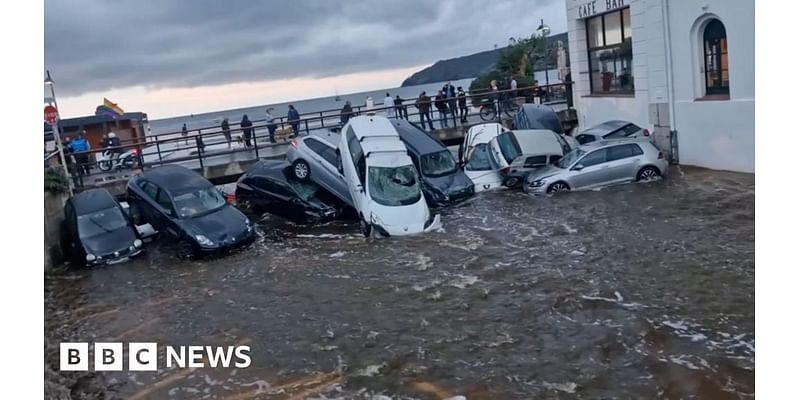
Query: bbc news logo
x=144, y=356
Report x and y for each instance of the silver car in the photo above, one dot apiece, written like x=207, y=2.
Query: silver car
x=598, y=164
x=611, y=130
x=314, y=157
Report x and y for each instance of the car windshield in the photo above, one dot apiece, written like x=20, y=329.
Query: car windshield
x=570, y=158
x=509, y=147
x=438, y=164
x=479, y=159
x=394, y=186
x=305, y=190
x=100, y=222
x=198, y=202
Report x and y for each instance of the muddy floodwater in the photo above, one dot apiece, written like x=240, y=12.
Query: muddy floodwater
x=635, y=291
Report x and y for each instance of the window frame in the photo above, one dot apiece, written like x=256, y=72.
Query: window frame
x=716, y=90
x=604, y=46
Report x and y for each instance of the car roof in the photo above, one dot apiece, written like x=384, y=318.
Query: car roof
x=538, y=140
x=395, y=159
x=416, y=139
x=365, y=127
x=383, y=145
x=272, y=168
x=540, y=116
x=92, y=200
x=611, y=142
x=605, y=128
x=176, y=179
x=326, y=140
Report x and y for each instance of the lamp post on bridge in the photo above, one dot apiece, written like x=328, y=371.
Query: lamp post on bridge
x=48, y=81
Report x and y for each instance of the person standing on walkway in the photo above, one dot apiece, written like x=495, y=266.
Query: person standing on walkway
x=462, y=105
x=185, y=134
x=441, y=105
x=80, y=146
x=513, y=87
x=346, y=113
x=294, y=119
x=423, y=104
x=226, y=130
x=247, y=130
x=451, y=103
x=369, y=105
x=399, y=108
x=271, y=126
x=388, y=105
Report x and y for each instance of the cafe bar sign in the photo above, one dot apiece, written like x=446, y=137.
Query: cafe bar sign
x=595, y=7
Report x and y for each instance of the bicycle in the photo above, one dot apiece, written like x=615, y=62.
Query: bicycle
x=488, y=111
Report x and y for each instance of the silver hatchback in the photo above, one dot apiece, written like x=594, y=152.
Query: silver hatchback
x=314, y=157
x=597, y=164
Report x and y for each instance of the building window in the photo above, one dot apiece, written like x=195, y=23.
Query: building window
x=715, y=49
x=610, y=52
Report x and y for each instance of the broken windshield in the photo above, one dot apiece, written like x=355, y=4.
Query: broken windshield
x=394, y=186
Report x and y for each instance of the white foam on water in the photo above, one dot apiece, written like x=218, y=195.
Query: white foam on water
x=423, y=262
x=370, y=370
x=261, y=385
x=338, y=254
x=569, y=229
x=567, y=387
x=421, y=287
x=463, y=281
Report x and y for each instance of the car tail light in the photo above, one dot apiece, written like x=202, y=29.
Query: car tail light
x=135, y=152
x=506, y=170
x=295, y=143
x=646, y=132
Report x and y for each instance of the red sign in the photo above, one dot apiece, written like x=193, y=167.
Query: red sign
x=50, y=114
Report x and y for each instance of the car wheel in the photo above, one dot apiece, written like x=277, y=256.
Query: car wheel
x=511, y=182
x=648, y=174
x=301, y=170
x=366, y=228
x=185, y=250
x=558, y=187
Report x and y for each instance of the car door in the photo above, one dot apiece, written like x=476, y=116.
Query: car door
x=591, y=170
x=622, y=161
x=354, y=163
x=147, y=204
x=167, y=217
x=70, y=232
x=328, y=175
x=481, y=170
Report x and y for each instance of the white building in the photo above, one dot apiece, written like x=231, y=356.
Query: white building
x=680, y=66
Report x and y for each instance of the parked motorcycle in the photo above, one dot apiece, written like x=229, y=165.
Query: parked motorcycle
x=127, y=159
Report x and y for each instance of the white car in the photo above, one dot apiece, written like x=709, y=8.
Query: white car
x=382, y=180
x=518, y=152
x=475, y=155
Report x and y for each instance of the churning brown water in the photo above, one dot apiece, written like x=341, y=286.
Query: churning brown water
x=635, y=291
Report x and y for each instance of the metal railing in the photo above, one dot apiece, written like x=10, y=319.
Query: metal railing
x=201, y=144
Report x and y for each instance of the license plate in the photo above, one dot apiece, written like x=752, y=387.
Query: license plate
x=119, y=260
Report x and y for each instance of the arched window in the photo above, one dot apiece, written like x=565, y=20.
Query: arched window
x=715, y=45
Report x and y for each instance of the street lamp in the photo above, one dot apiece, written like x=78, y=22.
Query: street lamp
x=543, y=29
x=48, y=81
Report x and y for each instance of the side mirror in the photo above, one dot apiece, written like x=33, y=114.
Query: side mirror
x=577, y=167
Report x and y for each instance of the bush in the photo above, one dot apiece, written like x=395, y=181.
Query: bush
x=55, y=181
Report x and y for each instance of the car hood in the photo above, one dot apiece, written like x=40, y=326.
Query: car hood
x=409, y=215
x=544, y=172
x=218, y=225
x=108, y=243
x=453, y=183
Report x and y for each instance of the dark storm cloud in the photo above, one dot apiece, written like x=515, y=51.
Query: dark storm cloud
x=99, y=45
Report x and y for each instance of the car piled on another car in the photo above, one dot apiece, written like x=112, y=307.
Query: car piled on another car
x=519, y=152
x=271, y=185
x=611, y=130
x=383, y=182
x=476, y=158
x=601, y=163
x=97, y=231
x=442, y=181
x=315, y=158
x=181, y=203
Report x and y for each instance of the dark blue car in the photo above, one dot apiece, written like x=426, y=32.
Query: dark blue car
x=443, y=182
x=97, y=231
x=188, y=208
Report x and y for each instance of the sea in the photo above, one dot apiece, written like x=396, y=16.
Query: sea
x=257, y=112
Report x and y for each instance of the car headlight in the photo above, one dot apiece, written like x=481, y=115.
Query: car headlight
x=137, y=243
x=374, y=219
x=537, y=183
x=204, y=241
x=247, y=224
x=91, y=257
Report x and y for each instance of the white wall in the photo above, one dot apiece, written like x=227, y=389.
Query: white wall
x=714, y=134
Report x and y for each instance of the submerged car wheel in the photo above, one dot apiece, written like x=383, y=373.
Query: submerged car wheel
x=185, y=250
x=648, y=174
x=301, y=170
x=366, y=228
x=558, y=187
x=511, y=182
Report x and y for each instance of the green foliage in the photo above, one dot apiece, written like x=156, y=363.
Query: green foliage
x=519, y=60
x=55, y=181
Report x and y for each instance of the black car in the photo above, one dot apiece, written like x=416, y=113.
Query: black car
x=442, y=181
x=179, y=202
x=271, y=187
x=97, y=230
x=537, y=116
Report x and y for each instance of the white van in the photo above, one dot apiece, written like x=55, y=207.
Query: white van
x=382, y=180
x=476, y=157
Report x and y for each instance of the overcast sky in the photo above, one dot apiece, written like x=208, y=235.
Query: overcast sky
x=175, y=57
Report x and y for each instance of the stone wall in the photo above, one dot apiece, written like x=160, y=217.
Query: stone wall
x=53, y=217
